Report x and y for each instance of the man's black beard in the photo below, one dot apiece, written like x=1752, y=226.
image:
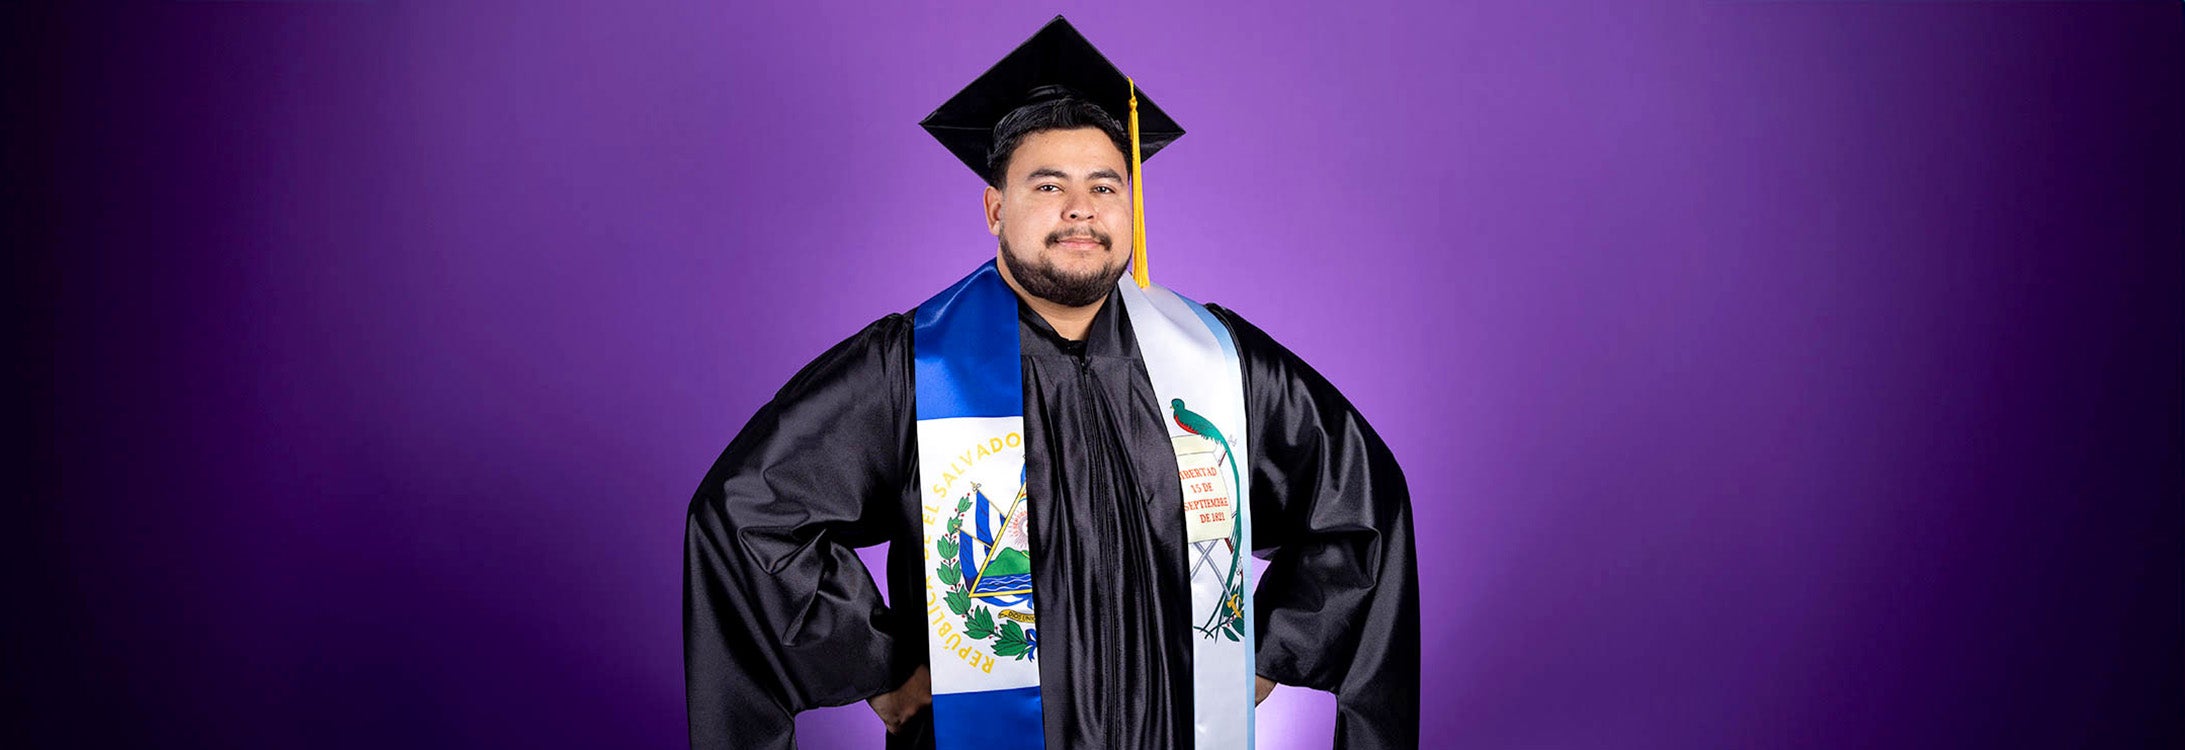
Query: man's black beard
x=1043, y=280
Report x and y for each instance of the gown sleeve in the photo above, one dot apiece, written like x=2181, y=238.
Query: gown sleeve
x=779, y=614
x=1338, y=606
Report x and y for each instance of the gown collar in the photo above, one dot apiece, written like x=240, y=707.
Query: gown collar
x=1108, y=336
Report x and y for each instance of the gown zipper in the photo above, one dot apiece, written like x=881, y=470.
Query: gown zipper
x=1089, y=412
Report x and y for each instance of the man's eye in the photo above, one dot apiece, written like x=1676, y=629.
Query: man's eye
x=1048, y=188
x=1105, y=189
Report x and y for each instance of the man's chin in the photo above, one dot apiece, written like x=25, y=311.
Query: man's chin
x=1058, y=277
x=1083, y=273
x=1071, y=290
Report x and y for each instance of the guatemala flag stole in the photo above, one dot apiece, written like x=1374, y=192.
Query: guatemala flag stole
x=983, y=640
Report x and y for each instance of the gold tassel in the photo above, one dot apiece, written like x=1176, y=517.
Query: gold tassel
x=1137, y=199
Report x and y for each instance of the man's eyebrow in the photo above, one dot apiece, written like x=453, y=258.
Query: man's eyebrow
x=1097, y=174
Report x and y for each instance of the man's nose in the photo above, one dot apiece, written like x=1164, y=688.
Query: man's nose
x=1079, y=208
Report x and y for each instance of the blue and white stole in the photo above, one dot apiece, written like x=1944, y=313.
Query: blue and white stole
x=983, y=640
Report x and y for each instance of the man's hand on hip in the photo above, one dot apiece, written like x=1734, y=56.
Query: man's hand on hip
x=895, y=707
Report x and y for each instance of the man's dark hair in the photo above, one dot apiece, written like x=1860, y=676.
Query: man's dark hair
x=1065, y=113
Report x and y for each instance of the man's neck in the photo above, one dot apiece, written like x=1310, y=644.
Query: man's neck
x=1069, y=322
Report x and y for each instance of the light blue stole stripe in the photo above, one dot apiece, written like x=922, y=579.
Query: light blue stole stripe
x=965, y=341
x=990, y=720
x=1251, y=630
x=1220, y=330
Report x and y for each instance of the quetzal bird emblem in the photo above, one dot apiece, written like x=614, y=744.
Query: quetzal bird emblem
x=1224, y=620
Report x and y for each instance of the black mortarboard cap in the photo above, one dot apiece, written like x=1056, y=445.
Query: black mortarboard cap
x=1056, y=56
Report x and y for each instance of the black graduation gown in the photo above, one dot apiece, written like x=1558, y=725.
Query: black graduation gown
x=780, y=615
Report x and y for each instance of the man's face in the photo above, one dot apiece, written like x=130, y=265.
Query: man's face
x=1062, y=214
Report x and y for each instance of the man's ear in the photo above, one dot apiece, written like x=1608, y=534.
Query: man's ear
x=993, y=211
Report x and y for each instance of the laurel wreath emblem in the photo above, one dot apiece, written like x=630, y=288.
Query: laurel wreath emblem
x=1010, y=639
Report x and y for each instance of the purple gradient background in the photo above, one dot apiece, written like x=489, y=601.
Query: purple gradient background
x=1767, y=375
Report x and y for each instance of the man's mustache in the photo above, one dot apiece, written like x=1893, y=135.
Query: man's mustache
x=1094, y=234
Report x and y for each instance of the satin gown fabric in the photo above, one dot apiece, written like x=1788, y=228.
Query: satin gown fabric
x=780, y=616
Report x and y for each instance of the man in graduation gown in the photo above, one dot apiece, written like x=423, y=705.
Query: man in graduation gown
x=780, y=615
